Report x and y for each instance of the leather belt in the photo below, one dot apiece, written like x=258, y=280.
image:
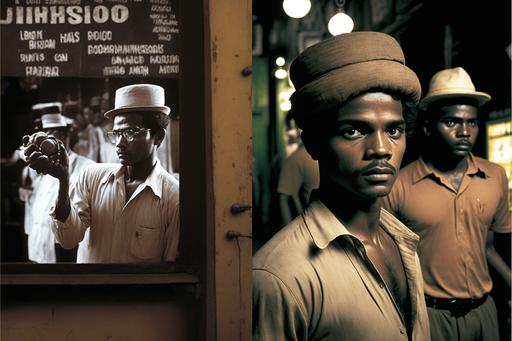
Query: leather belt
x=457, y=306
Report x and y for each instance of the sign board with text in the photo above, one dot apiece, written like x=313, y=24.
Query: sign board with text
x=80, y=38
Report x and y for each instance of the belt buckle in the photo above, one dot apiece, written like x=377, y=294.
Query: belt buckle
x=460, y=308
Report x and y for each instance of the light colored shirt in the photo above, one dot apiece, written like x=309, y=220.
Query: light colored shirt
x=41, y=242
x=144, y=228
x=312, y=281
x=452, y=224
x=29, y=183
x=299, y=175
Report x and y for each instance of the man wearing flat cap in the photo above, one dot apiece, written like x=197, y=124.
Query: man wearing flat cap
x=345, y=269
x=42, y=247
x=452, y=200
x=127, y=212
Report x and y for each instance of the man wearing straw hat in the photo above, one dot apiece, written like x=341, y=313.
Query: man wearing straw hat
x=452, y=200
x=42, y=247
x=345, y=269
x=127, y=212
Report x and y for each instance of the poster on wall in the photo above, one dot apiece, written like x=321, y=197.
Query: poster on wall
x=75, y=54
x=499, y=147
x=499, y=144
x=76, y=38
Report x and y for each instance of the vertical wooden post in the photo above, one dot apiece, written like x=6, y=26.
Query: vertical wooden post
x=230, y=45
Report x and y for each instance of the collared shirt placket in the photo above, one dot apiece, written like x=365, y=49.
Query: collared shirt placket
x=378, y=279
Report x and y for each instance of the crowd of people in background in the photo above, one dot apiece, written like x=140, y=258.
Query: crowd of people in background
x=83, y=130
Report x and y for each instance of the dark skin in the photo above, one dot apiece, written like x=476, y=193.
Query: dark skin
x=359, y=160
x=453, y=134
x=139, y=157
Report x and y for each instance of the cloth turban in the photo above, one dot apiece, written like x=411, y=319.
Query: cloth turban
x=327, y=74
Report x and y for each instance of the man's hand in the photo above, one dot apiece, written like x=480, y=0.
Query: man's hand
x=46, y=154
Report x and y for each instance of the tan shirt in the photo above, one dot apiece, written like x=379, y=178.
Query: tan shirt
x=144, y=229
x=311, y=281
x=452, y=225
x=299, y=175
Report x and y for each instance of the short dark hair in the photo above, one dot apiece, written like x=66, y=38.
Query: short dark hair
x=436, y=106
x=156, y=121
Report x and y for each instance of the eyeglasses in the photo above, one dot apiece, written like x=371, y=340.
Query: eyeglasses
x=128, y=134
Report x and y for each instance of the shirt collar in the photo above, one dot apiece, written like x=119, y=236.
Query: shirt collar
x=421, y=170
x=153, y=181
x=324, y=226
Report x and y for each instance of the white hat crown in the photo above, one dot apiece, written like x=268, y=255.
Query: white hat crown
x=53, y=121
x=143, y=97
x=452, y=83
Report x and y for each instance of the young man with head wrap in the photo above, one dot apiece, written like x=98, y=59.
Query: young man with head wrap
x=345, y=269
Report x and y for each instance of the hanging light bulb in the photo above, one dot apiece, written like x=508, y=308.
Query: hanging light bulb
x=340, y=22
x=296, y=8
x=281, y=73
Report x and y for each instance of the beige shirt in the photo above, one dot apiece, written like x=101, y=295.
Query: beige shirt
x=312, y=281
x=144, y=229
x=452, y=224
x=299, y=175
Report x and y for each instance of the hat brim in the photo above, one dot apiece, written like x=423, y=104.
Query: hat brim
x=481, y=97
x=338, y=85
x=161, y=109
x=54, y=125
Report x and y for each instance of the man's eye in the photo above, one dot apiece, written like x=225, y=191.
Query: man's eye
x=396, y=132
x=449, y=123
x=473, y=123
x=350, y=133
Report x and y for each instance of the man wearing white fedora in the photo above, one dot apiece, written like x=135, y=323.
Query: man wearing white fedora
x=42, y=247
x=452, y=200
x=127, y=212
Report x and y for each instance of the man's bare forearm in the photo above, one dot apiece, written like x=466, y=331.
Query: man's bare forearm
x=62, y=208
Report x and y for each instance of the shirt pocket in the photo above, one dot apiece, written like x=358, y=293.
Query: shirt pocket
x=146, y=243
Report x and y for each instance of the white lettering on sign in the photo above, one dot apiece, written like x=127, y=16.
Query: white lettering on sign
x=60, y=57
x=141, y=70
x=165, y=59
x=70, y=37
x=31, y=35
x=41, y=44
x=99, y=35
x=42, y=71
x=113, y=70
x=167, y=69
x=73, y=15
x=117, y=60
x=31, y=57
x=125, y=49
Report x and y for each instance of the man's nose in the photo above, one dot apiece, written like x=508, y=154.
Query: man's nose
x=120, y=140
x=463, y=130
x=379, y=147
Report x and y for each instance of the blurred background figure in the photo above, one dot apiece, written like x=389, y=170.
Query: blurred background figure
x=298, y=177
x=26, y=180
x=42, y=247
x=92, y=142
